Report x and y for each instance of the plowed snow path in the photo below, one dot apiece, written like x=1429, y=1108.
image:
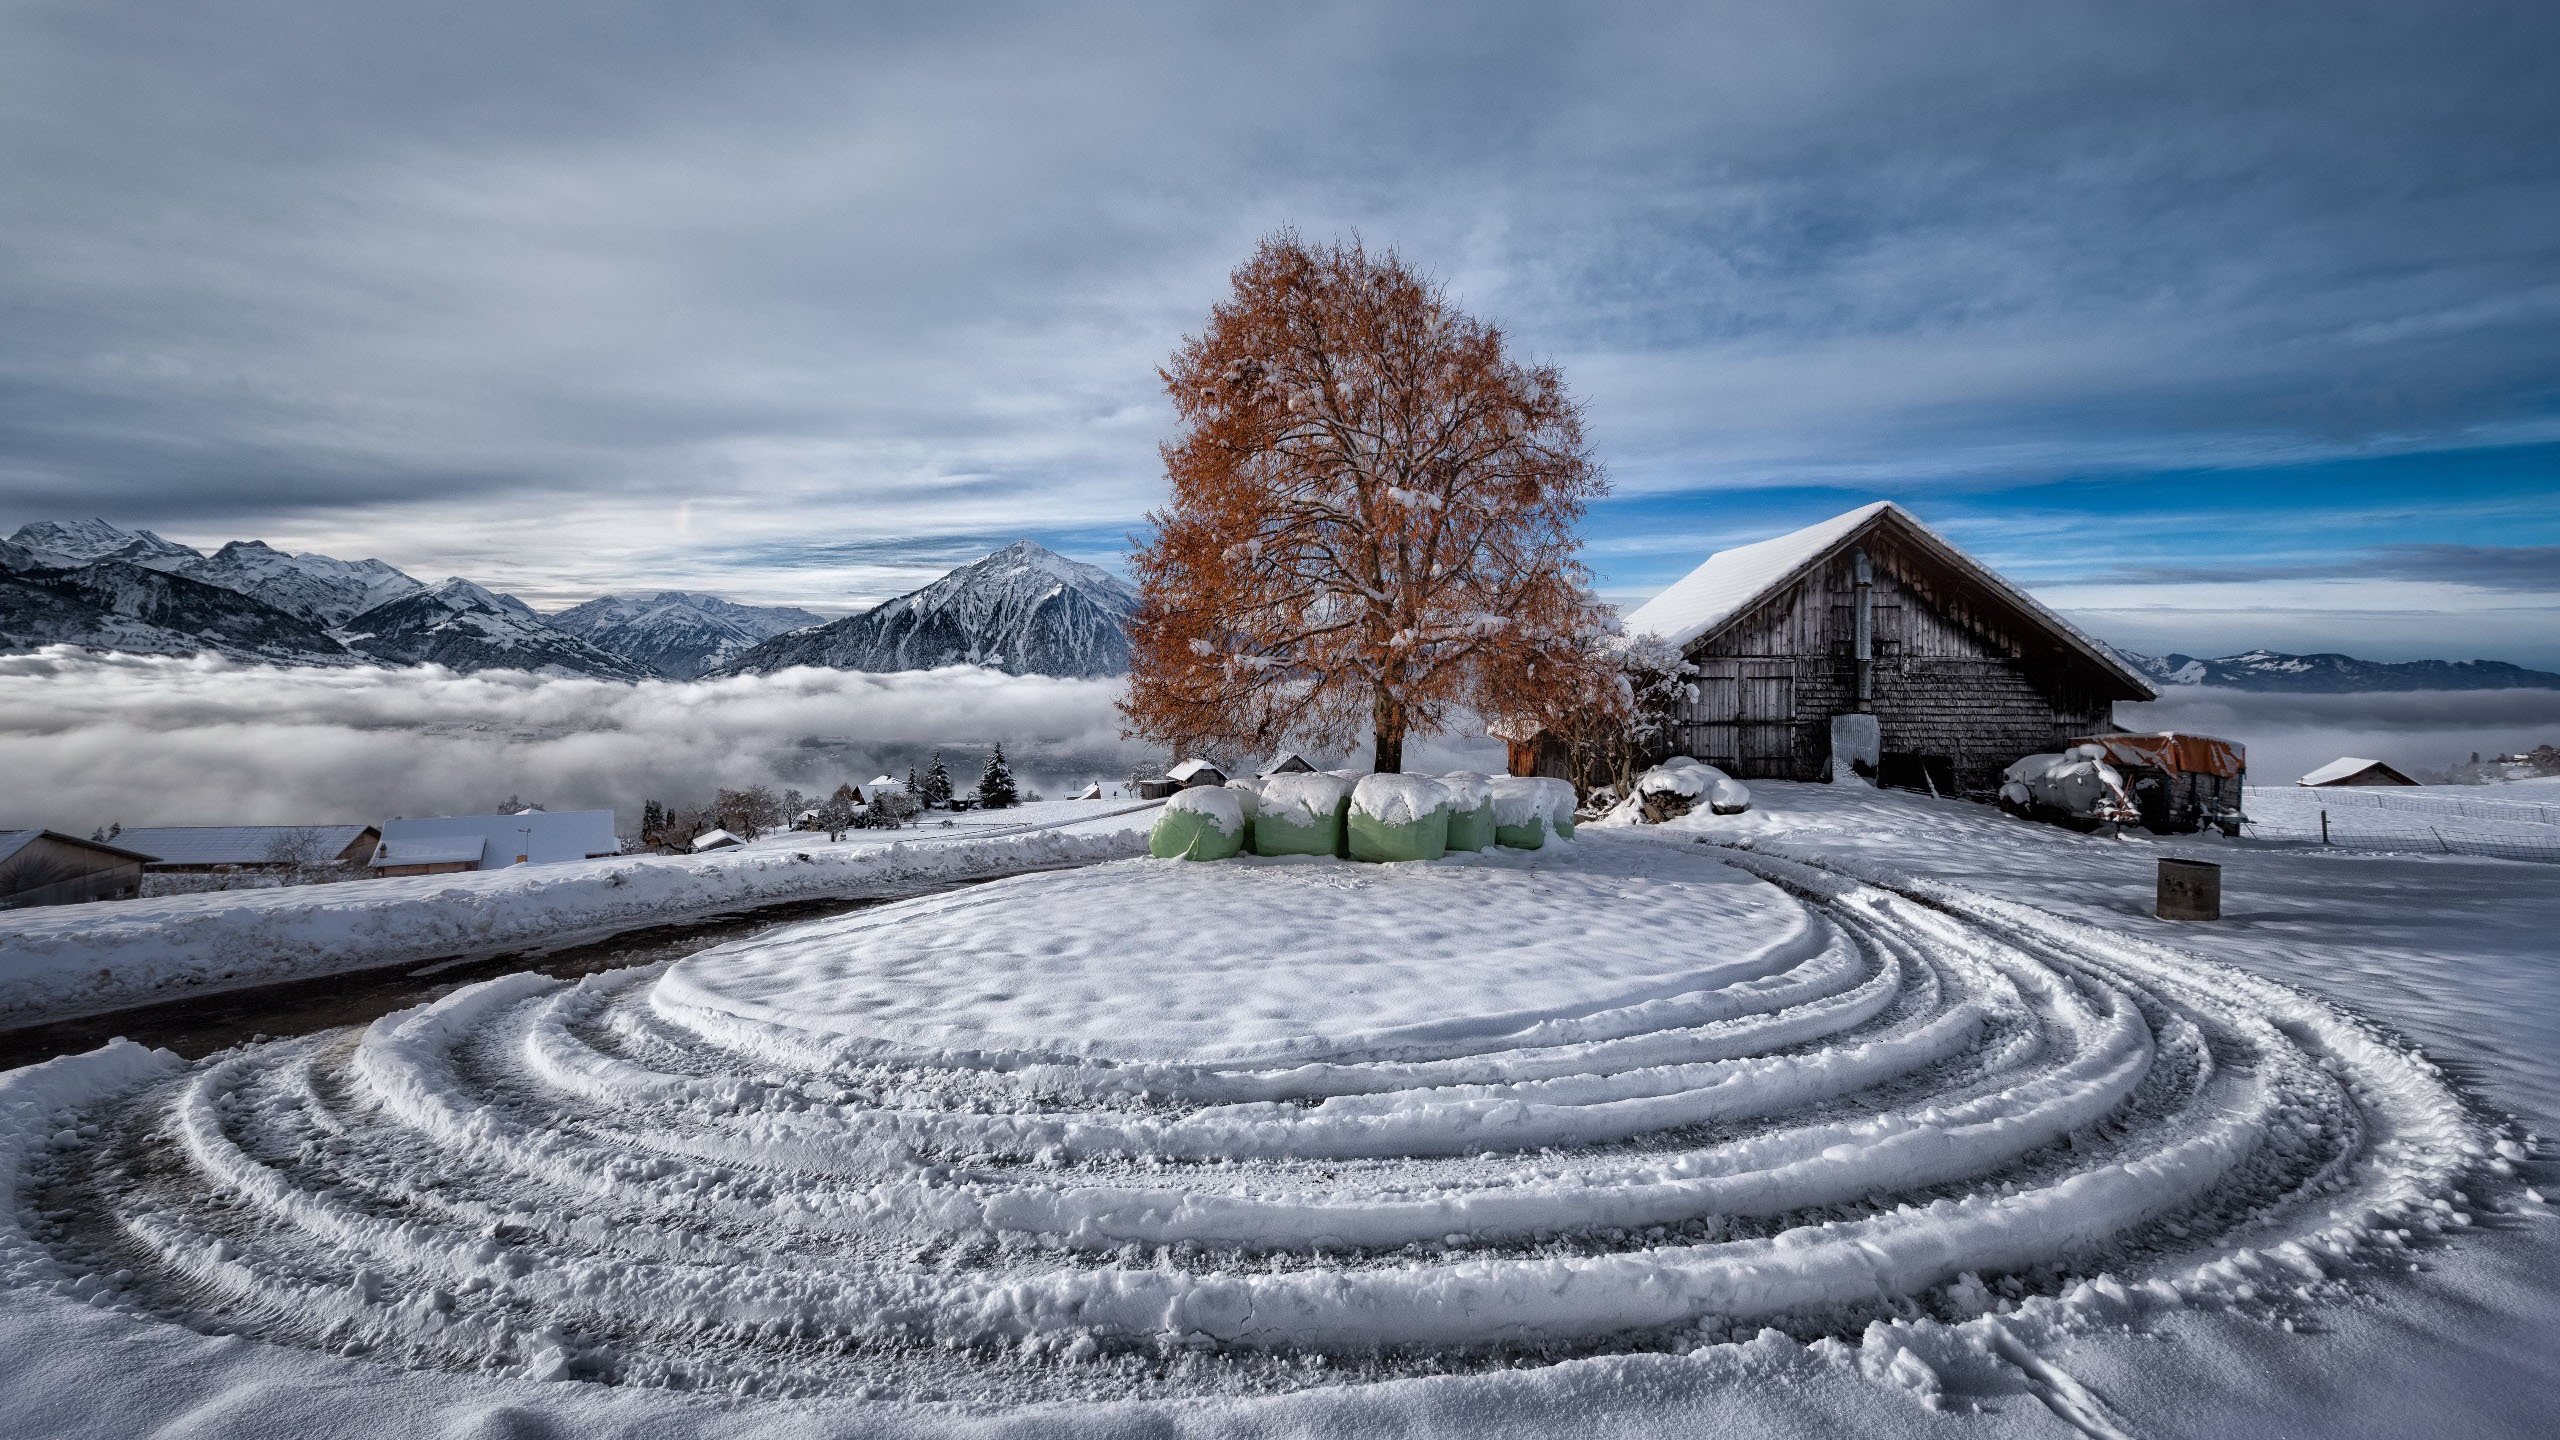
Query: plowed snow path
x=1388, y=1122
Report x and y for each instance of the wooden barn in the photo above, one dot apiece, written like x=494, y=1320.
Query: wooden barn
x=1800, y=639
x=2349, y=770
x=46, y=867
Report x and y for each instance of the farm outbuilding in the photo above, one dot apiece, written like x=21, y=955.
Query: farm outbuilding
x=2353, y=770
x=1870, y=639
x=46, y=867
x=451, y=844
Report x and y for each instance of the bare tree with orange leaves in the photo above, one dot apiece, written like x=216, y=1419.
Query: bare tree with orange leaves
x=1372, y=528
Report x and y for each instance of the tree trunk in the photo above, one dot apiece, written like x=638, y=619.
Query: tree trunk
x=1387, y=721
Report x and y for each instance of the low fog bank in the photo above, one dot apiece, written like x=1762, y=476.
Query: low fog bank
x=149, y=740
x=85, y=740
x=2421, y=732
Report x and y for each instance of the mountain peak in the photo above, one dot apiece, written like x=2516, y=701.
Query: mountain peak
x=1024, y=609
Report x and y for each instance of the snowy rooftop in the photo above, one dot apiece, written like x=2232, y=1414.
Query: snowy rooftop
x=541, y=837
x=13, y=841
x=1731, y=581
x=232, y=844
x=714, y=839
x=2338, y=769
x=432, y=851
x=1189, y=768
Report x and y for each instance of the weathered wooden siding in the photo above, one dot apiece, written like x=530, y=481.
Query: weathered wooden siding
x=46, y=871
x=1949, y=679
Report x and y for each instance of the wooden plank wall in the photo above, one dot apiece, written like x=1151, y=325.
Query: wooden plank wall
x=1949, y=679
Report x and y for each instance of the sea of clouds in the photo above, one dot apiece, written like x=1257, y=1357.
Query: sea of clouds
x=2421, y=732
x=86, y=740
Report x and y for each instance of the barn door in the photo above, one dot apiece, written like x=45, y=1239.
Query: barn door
x=1766, y=719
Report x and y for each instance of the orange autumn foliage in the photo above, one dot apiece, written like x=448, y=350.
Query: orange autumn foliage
x=1372, y=526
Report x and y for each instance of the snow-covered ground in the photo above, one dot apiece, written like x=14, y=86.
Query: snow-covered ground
x=79, y=959
x=1904, y=1120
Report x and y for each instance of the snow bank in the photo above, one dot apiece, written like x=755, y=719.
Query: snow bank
x=76, y=959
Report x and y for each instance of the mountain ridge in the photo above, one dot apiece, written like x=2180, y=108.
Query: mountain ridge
x=1024, y=609
x=2332, y=673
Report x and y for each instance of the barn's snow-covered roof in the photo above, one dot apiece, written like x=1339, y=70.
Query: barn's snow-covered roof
x=439, y=850
x=1189, y=768
x=231, y=844
x=1732, y=581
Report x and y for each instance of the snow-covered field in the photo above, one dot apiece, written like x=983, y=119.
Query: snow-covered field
x=1905, y=1119
x=77, y=959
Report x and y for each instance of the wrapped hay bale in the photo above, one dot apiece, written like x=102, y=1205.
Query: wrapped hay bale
x=1470, y=811
x=1301, y=814
x=1561, y=802
x=1398, y=817
x=1520, y=810
x=1205, y=822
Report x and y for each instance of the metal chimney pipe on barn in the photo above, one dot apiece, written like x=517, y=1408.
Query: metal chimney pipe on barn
x=1864, y=571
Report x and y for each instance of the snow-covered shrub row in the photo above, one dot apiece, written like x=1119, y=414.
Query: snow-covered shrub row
x=964, y=1149
x=74, y=959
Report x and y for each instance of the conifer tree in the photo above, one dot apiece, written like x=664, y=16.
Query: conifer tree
x=937, y=784
x=996, y=789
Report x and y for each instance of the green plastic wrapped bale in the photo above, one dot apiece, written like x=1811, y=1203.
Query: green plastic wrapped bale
x=1398, y=817
x=1203, y=823
x=1561, y=802
x=1301, y=814
x=1470, y=812
x=1520, y=812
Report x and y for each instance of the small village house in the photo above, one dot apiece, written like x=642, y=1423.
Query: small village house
x=1184, y=776
x=714, y=840
x=46, y=867
x=2353, y=770
x=1287, y=762
x=450, y=844
x=199, y=849
x=1870, y=640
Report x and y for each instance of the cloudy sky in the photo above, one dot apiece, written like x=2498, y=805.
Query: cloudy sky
x=2219, y=325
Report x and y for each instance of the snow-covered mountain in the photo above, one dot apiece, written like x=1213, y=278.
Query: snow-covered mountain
x=2334, y=674
x=77, y=542
x=1024, y=609
x=465, y=627
x=319, y=588
x=678, y=634
x=118, y=605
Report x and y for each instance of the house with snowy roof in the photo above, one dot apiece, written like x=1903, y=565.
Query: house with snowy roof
x=2353, y=770
x=1870, y=641
x=449, y=844
x=191, y=849
x=47, y=867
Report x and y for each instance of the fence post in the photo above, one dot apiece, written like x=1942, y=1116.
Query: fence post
x=2324, y=827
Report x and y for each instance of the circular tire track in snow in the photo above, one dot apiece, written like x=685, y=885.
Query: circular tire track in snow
x=618, y=1179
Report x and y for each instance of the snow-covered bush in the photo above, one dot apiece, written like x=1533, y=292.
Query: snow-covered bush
x=1205, y=822
x=1398, y=817
x=1301, y=814
x=1681, y=784
x=1470, y=810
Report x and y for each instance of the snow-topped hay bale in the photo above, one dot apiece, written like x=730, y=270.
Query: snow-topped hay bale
x=1470, y=811
x=1301, y=813
x=1398, y=817
x=1205, y=822
x=1520, y=809
x=1561, y=802
x=1681, y=784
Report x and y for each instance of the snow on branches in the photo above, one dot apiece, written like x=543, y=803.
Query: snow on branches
x=1372, y=523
